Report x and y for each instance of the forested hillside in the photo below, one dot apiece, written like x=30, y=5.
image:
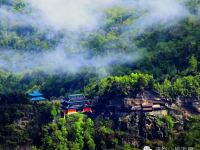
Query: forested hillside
x=109, y=50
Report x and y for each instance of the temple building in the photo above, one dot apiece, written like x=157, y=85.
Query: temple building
x=36, y=96
x=145, y=105
x=76, y=103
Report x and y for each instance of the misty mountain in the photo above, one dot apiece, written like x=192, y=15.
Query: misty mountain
x=110, y=50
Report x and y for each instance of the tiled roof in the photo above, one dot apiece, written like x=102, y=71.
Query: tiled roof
x=38, y=99
x=35, y=93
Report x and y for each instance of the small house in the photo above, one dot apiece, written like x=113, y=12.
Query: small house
x=36, y=96
x=147, y=106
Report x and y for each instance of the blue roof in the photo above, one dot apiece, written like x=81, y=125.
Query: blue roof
x=38, y=99
x=35, y=94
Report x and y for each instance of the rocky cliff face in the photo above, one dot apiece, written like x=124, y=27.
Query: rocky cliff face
x=148, y=127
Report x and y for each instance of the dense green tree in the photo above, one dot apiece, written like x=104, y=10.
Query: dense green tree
x=74, y=132
x=187, y=86
x=120, y=86
x=192, y=136
x=55, y=136
x=193, y=64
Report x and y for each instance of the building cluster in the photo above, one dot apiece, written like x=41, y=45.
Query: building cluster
x=144, y=104
x=72, y=104
x=76, y=103
x=148, y=101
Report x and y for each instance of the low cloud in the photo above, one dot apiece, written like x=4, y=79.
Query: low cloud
x=72, y=15
x=62, y=61
x=163, y=13
x=77, y=16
